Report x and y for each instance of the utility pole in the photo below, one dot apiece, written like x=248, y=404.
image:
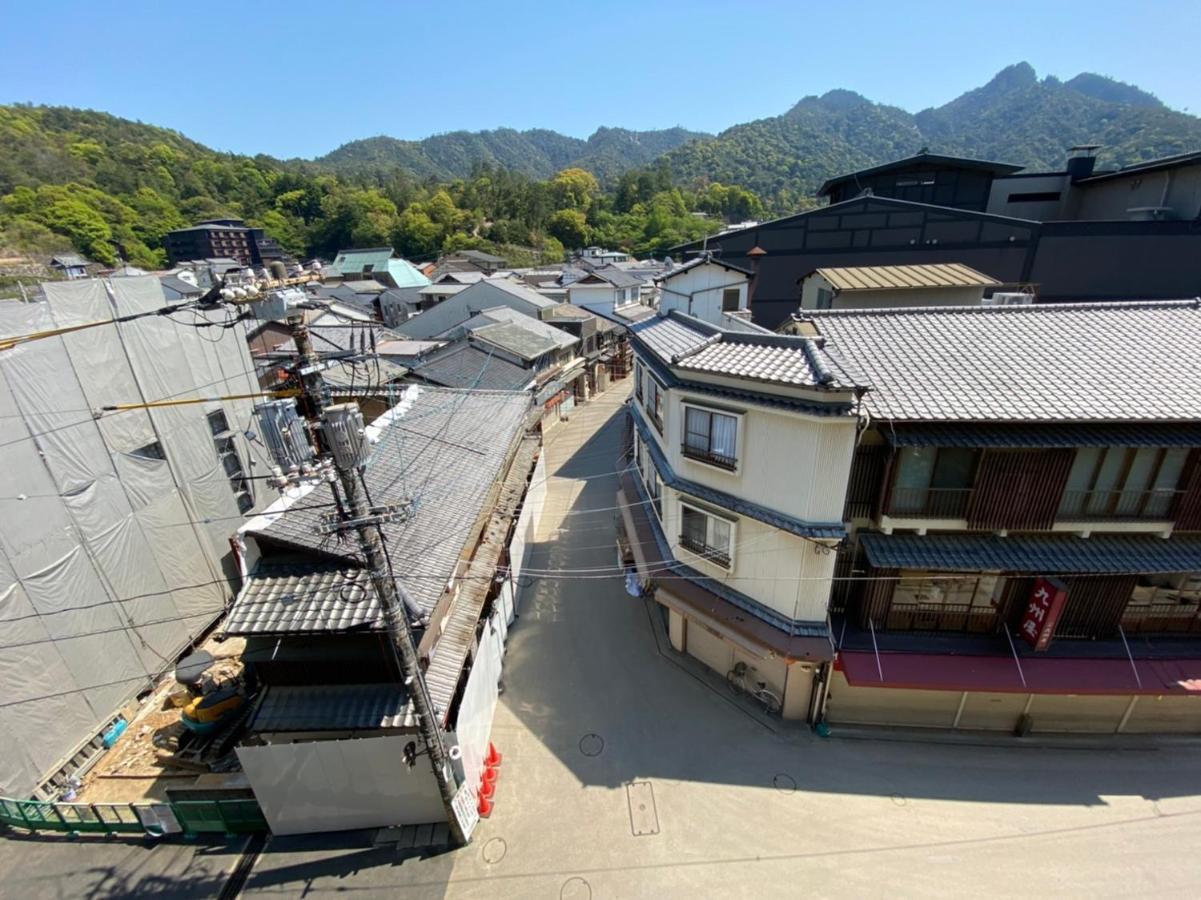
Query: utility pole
x=365, y=521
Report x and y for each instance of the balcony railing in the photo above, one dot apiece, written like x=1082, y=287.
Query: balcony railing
x=916, y=616
x=1132, y=505
x=936, y=503
x=713, y=458
x=717, y=557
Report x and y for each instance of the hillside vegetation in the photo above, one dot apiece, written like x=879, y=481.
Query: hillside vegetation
x=111, y=188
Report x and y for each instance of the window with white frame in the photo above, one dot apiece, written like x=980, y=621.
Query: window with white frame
x=710, y=437
x=709, y=536
x=730, y=299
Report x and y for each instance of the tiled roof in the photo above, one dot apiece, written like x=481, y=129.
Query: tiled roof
x=619, y=278
x=1048, y=554
x=549, y=334
x=511, y=336
x=336, y=707
x=292, y=598
x=878, y=278
x=700, y=261
x=692, y=345
x=440, y=451
x=522, y=291
x=464, y=365
x=1100, y=361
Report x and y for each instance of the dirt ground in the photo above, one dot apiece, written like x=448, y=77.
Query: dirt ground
x=138, y=767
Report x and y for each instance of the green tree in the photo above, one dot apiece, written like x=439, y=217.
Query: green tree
x=570, y=227
x=574, y=189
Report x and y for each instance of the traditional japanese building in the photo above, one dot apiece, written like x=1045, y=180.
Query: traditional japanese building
x=1023, y=516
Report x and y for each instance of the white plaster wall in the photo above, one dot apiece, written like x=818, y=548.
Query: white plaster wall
x=705, y=284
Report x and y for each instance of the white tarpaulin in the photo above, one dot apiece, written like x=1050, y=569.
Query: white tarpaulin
x=114, y=528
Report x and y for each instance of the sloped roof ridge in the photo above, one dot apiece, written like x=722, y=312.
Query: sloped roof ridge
x=1018, y=309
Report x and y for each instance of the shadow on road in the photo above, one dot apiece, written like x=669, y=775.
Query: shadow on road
x=583, y=664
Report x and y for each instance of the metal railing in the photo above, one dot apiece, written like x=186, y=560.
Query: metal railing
x=962, y=617
x=193, y=816
x=937, y=503
x=1149, y=504
x=712, y=457
x=700, y=548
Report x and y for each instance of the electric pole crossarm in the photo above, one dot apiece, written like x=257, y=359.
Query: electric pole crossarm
x=339, y=431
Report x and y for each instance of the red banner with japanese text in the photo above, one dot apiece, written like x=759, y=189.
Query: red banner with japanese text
x=1047, y=599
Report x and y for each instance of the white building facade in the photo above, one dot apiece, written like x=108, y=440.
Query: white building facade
x=732, y=512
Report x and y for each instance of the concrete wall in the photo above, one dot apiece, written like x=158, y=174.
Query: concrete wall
x=698, y=291
x=599, y=298
x=341, y=785
x=956, y=296
x=1044, y=210
x=1179, y=189
x=789, y=462
x=776, y=568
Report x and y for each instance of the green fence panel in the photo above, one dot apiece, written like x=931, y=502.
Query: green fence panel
x=194, y=816
x=226, y=816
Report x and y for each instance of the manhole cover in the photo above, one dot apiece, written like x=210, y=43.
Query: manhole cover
x=575, y=889
x=784, y=782
x=494, y=851
x=592, y=744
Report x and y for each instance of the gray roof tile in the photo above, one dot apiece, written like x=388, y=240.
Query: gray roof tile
x=335, y=707
x=464, y=365
x=1044, y=554
x=1063, y=362
x=291, y=598
x=689, y=344
x=442, y=456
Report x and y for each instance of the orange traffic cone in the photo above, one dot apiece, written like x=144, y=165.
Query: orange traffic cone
x=490, y=775
x=487, y=789
x=493, y=758
x=485, y=806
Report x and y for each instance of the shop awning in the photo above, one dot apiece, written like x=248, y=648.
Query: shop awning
x=1048, y=554
x=979, y=434
x=1042, y=675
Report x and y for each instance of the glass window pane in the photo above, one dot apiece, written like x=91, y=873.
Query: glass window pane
x=955, y=468
x=915, y=466
x=719, y=536
x=693, y=525
x=696, y=428
x=1159, y=504
x=1142, y=469
x=724, y=435
x=1105, y=487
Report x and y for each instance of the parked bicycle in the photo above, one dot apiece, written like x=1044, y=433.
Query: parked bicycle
x=742, y=681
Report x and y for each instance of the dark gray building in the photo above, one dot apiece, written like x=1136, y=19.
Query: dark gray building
x=1074, y=235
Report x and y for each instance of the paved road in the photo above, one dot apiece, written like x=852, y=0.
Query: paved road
x=629, y=773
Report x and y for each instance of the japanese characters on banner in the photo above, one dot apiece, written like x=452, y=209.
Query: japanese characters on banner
x=1047, y=599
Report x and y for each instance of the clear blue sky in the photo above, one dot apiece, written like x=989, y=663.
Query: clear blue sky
x=300, y=78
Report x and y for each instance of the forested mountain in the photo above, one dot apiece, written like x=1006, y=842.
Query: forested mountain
x=538, y=153
x=1015, y=118
x=111, y=188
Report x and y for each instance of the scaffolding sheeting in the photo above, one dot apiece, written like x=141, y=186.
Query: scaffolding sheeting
x=114, y=531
